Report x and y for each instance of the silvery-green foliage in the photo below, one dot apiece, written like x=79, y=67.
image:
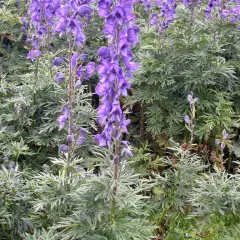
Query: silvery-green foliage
x=15, y=201
x=99, y=214
x=173, y=186
x=29, y=112
x=52, y=188
x=202, y=59
x=216, y=193
x=39, y=235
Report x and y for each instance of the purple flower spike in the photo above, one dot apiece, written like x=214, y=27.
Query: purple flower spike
x=116, y=68
x=60, y=77
x=64, y=148
x=57, y=61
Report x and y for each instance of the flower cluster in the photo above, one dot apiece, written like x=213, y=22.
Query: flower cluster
x=42, y=16
x=166, y=10
x=115, y=68
x=71, y=18
x=229, y=10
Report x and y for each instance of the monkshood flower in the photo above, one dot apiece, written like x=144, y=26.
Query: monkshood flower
x=58, y=61
x=64, y=148
x=165, y=14
x=42, y=16
x=82, y=136
x=60, y=77
x=71, y=16
x=33, y=54
x=62, y=119
x=115, y=68
x=70, y=19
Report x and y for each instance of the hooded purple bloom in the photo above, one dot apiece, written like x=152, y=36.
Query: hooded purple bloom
x=79, y=72
x=89, y=70
x=57, y=61
x=74, y=59
x=64, y=148
x=83, y=57
x=69, y=139
x=33, y=54
x=82, y=136
x=81, y=140
x=62, y=121
x=153, y=19
x=85, y=11
x=60, y=77
x=78, y=83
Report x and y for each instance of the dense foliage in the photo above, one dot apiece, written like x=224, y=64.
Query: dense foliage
x=119, y=120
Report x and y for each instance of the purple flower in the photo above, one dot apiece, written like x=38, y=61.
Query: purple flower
x=82, y=136
x=83, y=57
x=89, y=70
x=57, y=61
x=69, y=139
x=186, y=119
x=62, y=121
x=5, y=159
x=115, y=68
x=60, y=77
x=78, y=83
x=225, y=13
x=79, y=72
x=81, y=140
x=85, y=11
x=153, y=19
x=64, y=148
x=33, y=54
x=126, y=152
x=74, y=59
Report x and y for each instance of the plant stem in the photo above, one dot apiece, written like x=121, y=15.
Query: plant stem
x=70, y=93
